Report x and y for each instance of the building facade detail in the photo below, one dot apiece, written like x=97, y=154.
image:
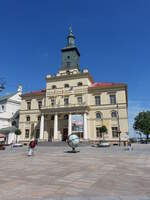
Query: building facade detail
x=9, y=114
x=73, y=103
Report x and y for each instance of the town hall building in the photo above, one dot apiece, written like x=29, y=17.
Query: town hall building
x=73, y=103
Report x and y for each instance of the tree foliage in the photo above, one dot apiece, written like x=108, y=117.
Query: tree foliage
x=18, y=132
x=103, y=130
x=142, y=123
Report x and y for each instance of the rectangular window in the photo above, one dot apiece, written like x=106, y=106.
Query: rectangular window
x=112, y=99
x=53, y=102
x=28, y=105
x=66, y=101
x=39, y=104
x=28, y=118
x=114, y=132
x=2, y=108
x=27, y=133
x=97, y=100
x=79, y=99
x=98, y=133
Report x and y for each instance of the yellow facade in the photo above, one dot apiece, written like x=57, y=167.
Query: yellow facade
x=49, y=114
x=88, y=105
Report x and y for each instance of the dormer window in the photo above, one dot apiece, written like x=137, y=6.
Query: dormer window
x=66, y=85
x=53, y=86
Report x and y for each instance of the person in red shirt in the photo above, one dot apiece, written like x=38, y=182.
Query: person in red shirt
x=32, y=145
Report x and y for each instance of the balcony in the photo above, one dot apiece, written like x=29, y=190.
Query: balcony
x=67, y=91
x=68, y=107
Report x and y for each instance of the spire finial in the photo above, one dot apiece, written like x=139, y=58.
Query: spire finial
x=70, y=30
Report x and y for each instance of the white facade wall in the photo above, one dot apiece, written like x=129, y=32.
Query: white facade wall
x=12, y=105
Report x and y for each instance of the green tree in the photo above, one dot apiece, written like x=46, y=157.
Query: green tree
x=17, y=132
x=142, y=123
x=103, y=130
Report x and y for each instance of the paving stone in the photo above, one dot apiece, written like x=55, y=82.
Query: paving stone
x=93, y=174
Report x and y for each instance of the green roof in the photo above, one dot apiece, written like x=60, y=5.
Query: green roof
x=8, y=130
x=3, y=98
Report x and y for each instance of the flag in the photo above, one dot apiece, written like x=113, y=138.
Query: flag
x=71, y=88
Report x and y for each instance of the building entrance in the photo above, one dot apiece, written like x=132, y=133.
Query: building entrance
x=51, y=135
x=65, y=134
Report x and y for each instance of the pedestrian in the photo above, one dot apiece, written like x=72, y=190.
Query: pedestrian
x=12, y=143
x=129, y=146
x=31, y=147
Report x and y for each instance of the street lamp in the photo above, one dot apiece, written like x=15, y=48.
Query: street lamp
x=119, y=132
x=118, y=129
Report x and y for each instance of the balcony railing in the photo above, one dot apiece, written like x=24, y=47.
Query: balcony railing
x=67, y=91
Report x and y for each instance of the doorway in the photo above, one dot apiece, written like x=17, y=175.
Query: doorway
x=51, y=135
x=65, y=134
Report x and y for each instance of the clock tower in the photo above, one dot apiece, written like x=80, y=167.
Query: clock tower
x=70, y=54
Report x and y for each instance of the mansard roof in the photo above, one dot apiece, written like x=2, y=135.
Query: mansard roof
x=35, y=93
x=106, y=84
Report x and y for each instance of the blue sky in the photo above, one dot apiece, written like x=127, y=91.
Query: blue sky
x=113, y=38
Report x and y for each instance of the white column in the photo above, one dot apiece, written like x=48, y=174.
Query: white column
x=70, y=124
x=85, y=136
x=56, y=127
x=42, y=128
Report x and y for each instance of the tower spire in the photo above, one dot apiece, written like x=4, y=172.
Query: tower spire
x=70, y=38
x=70, y=30
x=70, y=54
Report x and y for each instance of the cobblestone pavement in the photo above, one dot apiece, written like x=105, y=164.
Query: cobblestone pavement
x=93, y=174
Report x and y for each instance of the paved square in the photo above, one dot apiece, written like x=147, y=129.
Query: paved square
x=94, y=173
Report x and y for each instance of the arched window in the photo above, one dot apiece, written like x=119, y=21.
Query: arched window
x=80, y=84
x=53, y=86
x=66, y=85
x=114, y=114
x=98, y=115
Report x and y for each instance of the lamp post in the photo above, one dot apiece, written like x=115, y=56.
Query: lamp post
x=119, y=132
x=118, y=129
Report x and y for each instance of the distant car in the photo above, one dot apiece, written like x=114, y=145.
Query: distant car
x=104, y=144
x=17, y=145
x=143, y=141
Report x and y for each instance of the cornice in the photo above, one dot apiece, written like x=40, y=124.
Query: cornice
x=70, y=77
